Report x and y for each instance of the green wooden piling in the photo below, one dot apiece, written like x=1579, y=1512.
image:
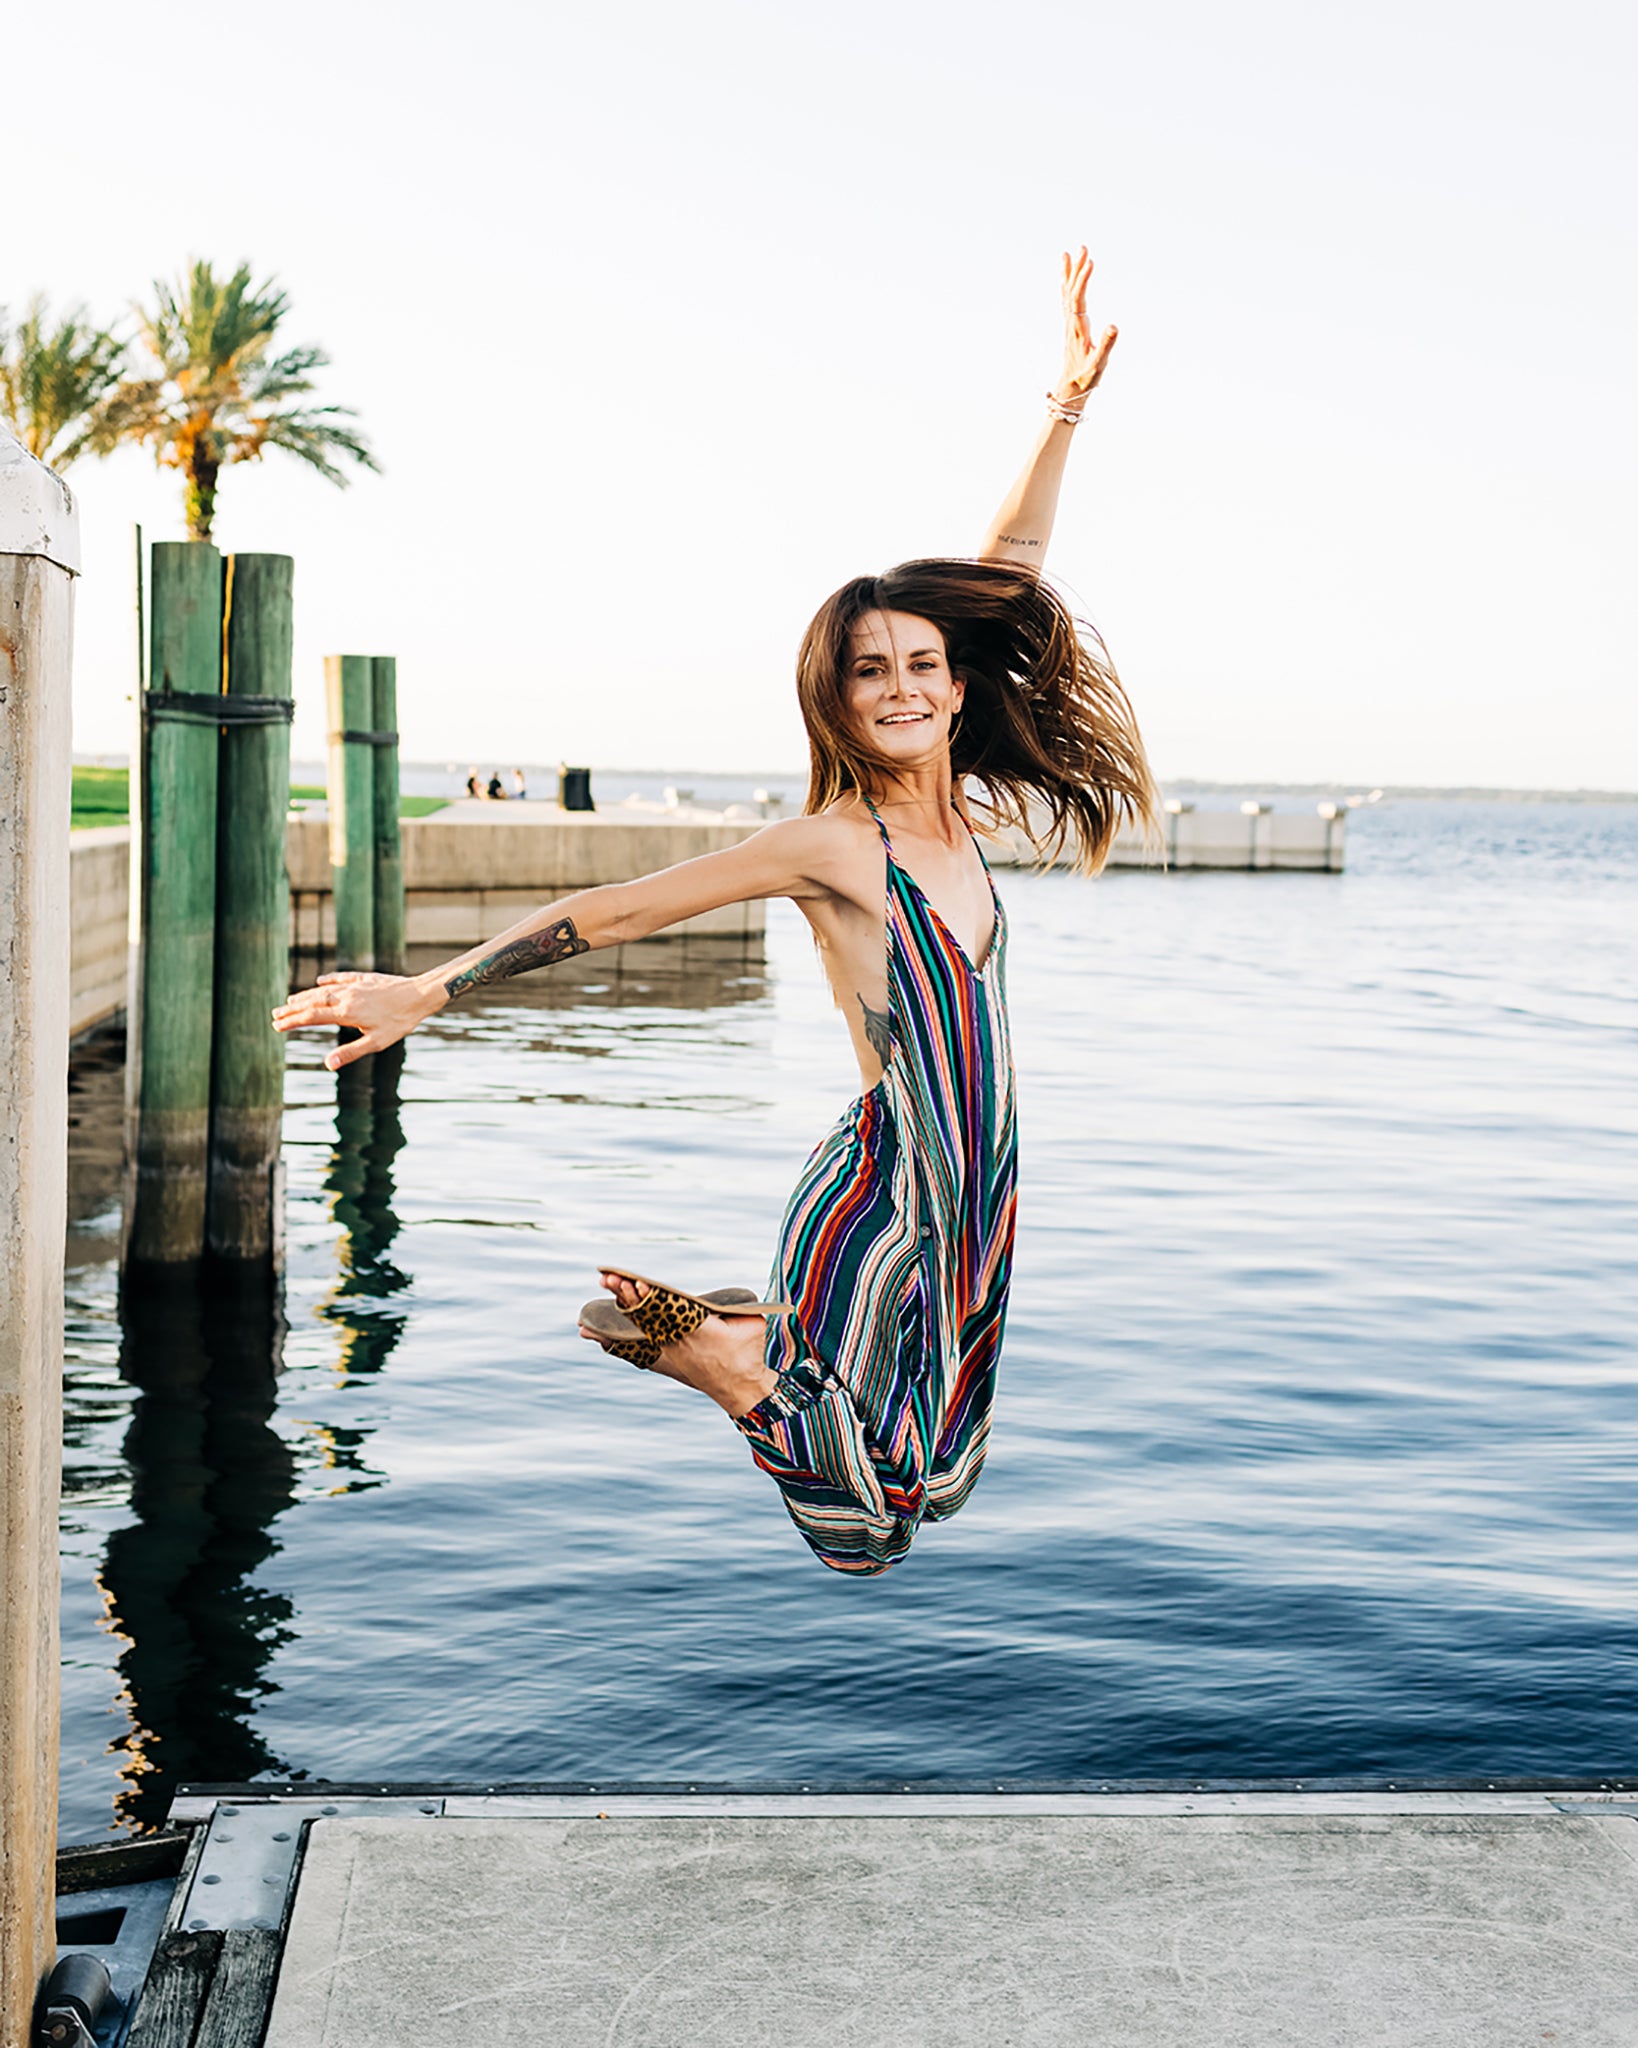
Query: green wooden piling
x=389, y=856
x=252, y=917
x=173, y=887
x=350, y=692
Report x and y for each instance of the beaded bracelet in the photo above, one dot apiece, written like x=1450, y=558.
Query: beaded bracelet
x=1071, y=416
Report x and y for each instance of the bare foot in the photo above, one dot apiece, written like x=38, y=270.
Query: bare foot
x=723, y=1358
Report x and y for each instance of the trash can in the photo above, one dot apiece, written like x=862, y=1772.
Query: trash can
x=574, y=789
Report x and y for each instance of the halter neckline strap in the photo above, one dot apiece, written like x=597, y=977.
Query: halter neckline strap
x=888, y=843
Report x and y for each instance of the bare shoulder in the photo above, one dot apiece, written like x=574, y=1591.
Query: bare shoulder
x=828, y=837
x=837, y=851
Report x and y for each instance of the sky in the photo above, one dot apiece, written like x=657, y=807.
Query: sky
x=664, y=321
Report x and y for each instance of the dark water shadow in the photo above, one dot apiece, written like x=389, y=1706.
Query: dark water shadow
x=210, y=1474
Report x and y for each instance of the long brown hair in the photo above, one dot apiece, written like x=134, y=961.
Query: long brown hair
x=1045, y=728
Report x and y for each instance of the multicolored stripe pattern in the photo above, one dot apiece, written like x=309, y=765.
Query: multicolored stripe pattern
x=897, y=1251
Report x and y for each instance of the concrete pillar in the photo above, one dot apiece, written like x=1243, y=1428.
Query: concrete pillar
x=1176, y=812
x=39, y=558
x=1336, y=826
x=1260, y=836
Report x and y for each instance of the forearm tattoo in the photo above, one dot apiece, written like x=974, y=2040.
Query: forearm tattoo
x=878, y=1031
x=556, y=942
x=1017, y=540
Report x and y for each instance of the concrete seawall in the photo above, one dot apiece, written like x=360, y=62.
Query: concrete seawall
x=99, y=891
x=468, y=877
x=465, y=879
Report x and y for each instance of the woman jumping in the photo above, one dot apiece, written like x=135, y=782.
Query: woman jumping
x=864, y=1384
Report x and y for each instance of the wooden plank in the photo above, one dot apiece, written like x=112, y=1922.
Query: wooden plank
x=241, y=1993
x=87, y=1867
x=173, y=1998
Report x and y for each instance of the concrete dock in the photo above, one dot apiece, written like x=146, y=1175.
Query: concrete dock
x=778, y=1917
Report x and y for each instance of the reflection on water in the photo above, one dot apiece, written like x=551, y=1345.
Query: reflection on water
x=205, y=1471
x=193, y=1483
x=363, y=1305
x=208, y=1475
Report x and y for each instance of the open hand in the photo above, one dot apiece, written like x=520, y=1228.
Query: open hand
x=382, y=1007
x=1084, y=359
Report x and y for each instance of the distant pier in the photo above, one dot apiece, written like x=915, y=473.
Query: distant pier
x=1249, y=837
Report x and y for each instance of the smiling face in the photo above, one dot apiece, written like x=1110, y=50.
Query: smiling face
x=900, y=695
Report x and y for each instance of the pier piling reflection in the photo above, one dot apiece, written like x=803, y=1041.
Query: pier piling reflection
x=209, y=1478
x=369, y=1138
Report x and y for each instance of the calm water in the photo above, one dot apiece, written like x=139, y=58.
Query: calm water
x=1314, y=1451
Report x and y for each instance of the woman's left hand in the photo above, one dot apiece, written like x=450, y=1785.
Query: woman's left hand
x=1084, y=359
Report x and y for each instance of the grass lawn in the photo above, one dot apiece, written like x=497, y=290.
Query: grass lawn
x=102, y=796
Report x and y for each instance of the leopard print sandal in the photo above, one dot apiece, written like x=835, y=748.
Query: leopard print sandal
x=618, y=1334
x=621, y=1337
x=666, y=1314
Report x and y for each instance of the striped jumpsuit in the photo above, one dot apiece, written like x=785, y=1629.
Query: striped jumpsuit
x=896, y=1250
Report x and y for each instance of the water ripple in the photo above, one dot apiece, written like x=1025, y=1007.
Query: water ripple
x=1313, y=1453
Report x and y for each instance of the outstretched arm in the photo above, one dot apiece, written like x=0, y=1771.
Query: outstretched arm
x=1021, y=529
x=793, y=858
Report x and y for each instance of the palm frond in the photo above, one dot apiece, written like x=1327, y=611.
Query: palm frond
x=55, y=378
x=214, y=392
x=135, y=410
x=205, y=329
x=315, y=435
x=286, y=376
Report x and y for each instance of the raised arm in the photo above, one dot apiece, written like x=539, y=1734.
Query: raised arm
x=792, y=858
x=1021, y=529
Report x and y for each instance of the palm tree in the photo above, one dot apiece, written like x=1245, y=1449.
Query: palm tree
x=216, y=394
x=55, y=380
